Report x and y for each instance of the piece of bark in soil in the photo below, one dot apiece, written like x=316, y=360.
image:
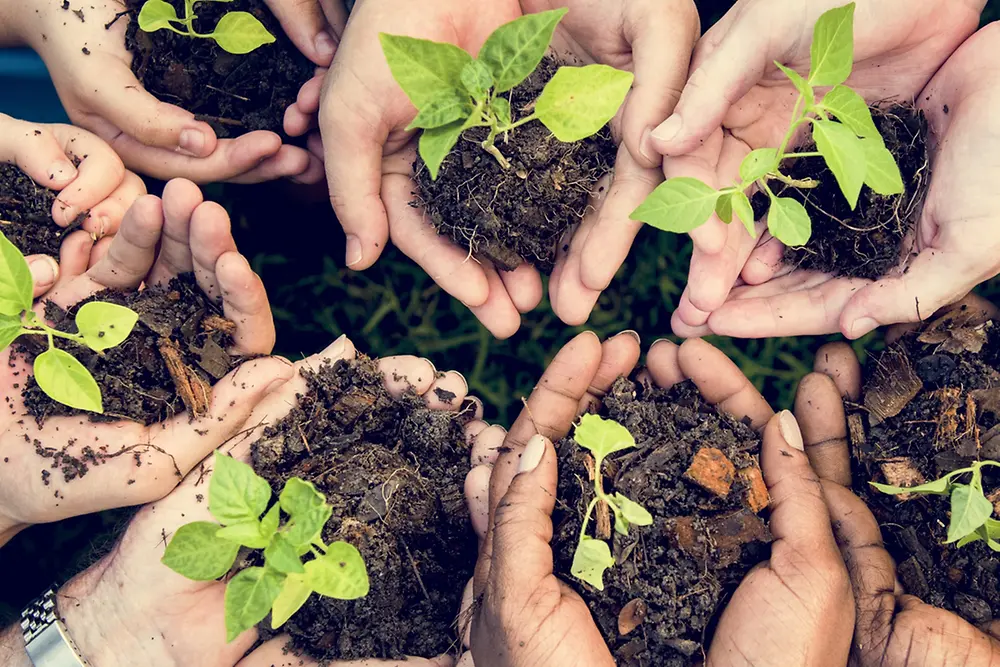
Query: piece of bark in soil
x=892, y=386
x=900, y=471
x=194, y=391
x=632, y=616
x=712, y=471
x=756, y=497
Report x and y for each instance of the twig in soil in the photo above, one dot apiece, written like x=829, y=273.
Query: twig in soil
x=416, y=571
x=304, y=441
x=226, y=92
x=219, y=120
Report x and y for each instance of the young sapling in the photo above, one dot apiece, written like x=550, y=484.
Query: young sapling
x=848, y=141
x=454, y=92
x=237, y=497
x=236, y=32
x=58, y=373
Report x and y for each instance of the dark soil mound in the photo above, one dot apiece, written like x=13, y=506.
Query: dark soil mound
x=931, y=406
x=26, y=214
x=682, y=569
x=394, y=472
x=235, y=94
x=168, y=364
x=520, y=214
x=868, y=241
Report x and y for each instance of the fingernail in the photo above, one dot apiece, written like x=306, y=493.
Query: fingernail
x=44, y=270
x=324, y=45
x=862, y=326
x=103, y=223
x=668, y=129
x=789, y=429
x=336, y=348
x=464, y=381
x=630, y=332
x=62, y=171
x=431, y=364
x=192, y=142
x=532, y=454
x=354, y=253
x=646, y=149
x=67, y=212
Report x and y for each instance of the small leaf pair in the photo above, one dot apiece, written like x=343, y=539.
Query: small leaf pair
x=238, y=33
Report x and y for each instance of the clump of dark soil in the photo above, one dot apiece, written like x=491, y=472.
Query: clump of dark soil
x=26, y=214
x=167, y=365
x=868, y=241
x=394, y=471
x=235, y=94
x=675, y=576
x=520, y=214
x=932, y=405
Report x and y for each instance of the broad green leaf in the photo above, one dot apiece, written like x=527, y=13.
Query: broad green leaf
x=10, y=329
x=241, y=32
x=247, y=533
x=501, y=107
x=514, y=49
x=832, y=52
x=340, y=573
x=249, y=596
x=67, y=381
x=236, y=494
x=937, y=487
x=969, y=510
x=590, y=561
x=294, y=593
x=788, y=221
x=282, y=555
x=993, y=528
x=800, y=84
x=636, y=514
x=744, y=211
x=105, y=325
x=970, y=538
x=308, y=509
x=851, y=110
x=442, y=111
x=724, y=207
x=156, y=15
x=477, y=79
x=196, y=553
x=435, y=145
x=758, y=164
x=425, y=70
x=16, y=286
x=269, y=524
x=602, y=436
x=844, y=154
x=307, y=528
x=578, y=101
x=677, y=205
x=881, y=171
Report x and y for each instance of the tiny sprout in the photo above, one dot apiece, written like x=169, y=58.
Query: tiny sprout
x=236, y=32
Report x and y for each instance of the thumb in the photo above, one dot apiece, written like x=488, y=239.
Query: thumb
x=305, y=24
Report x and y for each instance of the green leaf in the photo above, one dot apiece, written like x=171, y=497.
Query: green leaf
x=441, y=111
x=832, y=52
x=800, y=84
x=501, y=107
x=247, y=533
x=197, y=553
x=636, y=514
x=937, y=487
x=67, y=381
x=425, y=70
x=282, y=555
x=269, y=524
x=788, y=221
x=881, y=171
x=851, y=110
x=969, y=510
x=105, y=325
x=602, y=436
x=340, y=573
x=249, y=596
x=993, y=528
x=155, y=15
x=477, y=79
x=677, y=205
x=578, y=101
x=724, y=207
x=236, y=494
x=514, y=49
x=744, y=211
x=308, y=509
x=10, y=329
x=16, y=286
x=758, y=164
x=435, y=145
x=241, y=32
x=590, y=561
x=844, y=154
x=293, y=595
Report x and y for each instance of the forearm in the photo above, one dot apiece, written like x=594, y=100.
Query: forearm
x=10, y=32
x=12, y=652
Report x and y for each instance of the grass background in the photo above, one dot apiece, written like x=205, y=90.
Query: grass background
x=296, y=245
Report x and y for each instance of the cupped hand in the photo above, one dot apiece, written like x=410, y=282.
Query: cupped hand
x=157, y=240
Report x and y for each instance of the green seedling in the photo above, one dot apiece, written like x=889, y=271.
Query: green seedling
x=236, y=32
x=845, y=135
x=971, y=511
x=237, y=497
x=59, y=374
x=603, y=437
x=454, y=92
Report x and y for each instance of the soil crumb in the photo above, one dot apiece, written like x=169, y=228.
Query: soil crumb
x=26, y=214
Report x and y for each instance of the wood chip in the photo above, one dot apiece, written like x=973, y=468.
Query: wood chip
x=755, y=495
x=194, y=392
x=631, y=616
x=712, y=471
x=218, y=323
x=946, y=432
x=892, y=386
x=603, y=521
x=856, y=430
x=900, y=471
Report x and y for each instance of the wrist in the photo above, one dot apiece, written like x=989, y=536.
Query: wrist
x=12, y=653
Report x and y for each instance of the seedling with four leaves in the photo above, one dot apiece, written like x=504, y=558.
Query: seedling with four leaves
x=851, y=146
x=454, y=92
x=236, y=32
x=59, y=374
x=237, y=497
x=603, y=437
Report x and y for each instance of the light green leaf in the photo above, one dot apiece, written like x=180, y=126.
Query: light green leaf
x=105, y=325
x=16, y=286
x=249, y=596
x=240, y=33
x=881, y=172
x=591, y=560
x=155, y=15
x=602, y=436
x=832, y=52
x=10, y=329
x=435, y=145
x=968, y=539
x=67, y=381
x=197, y=553
x=844, y=154
x=969, y=510
x=236, y=494
x=308, y=509
x=724, y=207
x=937, y=487
x=425, y=70
x=269, y=524
x=282, y=555
x=578, y=101
x=339, y=574
x=758, y=164
x=293, y=595
x=477, y=79
x=441, y=111
x=501, y=107
x=800, y=84
x=993, y=528
x=851, y=110
x=744, y=211
x=677, y=205
x=788, y=221
x=247, y=533
x=636, y=514
x=514, y=49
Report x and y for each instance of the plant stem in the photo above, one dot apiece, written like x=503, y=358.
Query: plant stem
x=810, y=154
x=804, y=184
x=512, y=126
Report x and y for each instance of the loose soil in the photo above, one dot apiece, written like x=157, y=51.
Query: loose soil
x=235, y=94
x=394, y=472
x=520, y=214
x=932, y=405
x=868, y=241
x=26, y=214
x=660, y=604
